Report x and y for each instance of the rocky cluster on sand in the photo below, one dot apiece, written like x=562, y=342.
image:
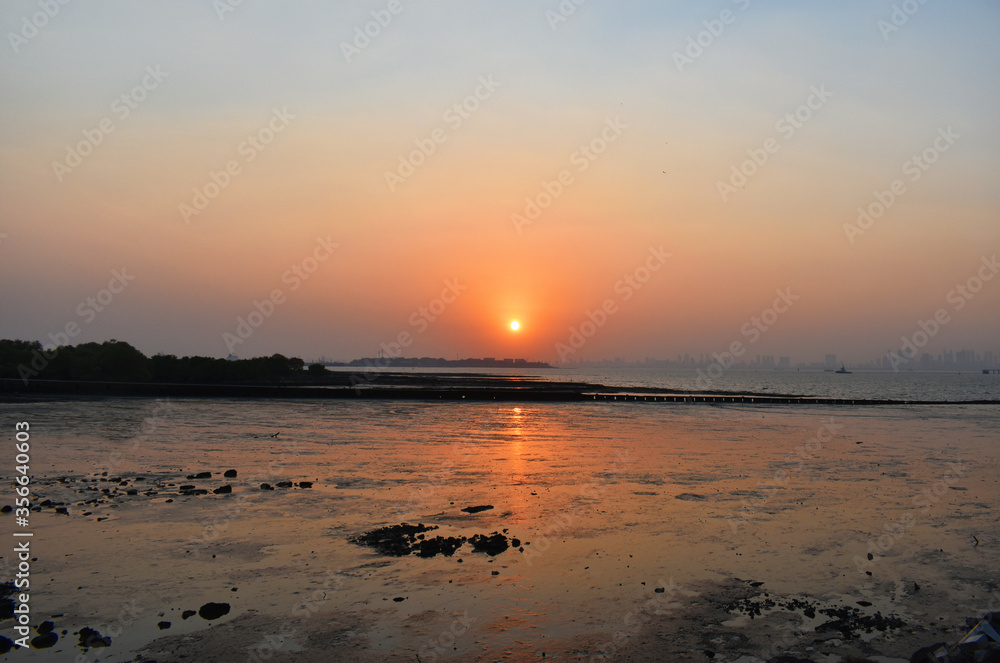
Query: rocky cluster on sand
x=406, y=539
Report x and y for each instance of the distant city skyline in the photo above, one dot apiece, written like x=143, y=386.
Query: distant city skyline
x=964, y=360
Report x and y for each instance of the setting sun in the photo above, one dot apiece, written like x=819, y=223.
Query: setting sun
x=515, y=325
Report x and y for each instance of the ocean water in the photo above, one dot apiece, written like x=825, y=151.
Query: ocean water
x=641, y=524
x=904, y=385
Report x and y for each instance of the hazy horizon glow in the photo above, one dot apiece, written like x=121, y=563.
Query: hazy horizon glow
x=472, y=165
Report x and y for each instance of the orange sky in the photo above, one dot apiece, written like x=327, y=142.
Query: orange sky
x=606, y=78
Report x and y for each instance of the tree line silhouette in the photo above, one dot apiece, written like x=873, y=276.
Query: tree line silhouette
x=117, y=361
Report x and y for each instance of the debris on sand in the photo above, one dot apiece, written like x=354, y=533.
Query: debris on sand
x=981, y=644
x=477, y=509
x=849, y=621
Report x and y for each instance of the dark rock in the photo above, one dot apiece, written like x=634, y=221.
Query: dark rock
x=6, y=508
x=6, y=644
x=229, y=474
x=690, y=497
x=188, y=613
x=786, y=658
x=45, y=503
x=45, y=627
x=305, y=484
x=477, y=509
x=284, y=484
x=44, y=641
x=515, y=543
x=186, y=487
x=212, y=611
x=92, y=639
x=223, y=490
x=438, y=545
x=203, y=475
x=163, y=626
x=394, y=540
x=62, y=510
x=660, y=590
x=131, y=491
x=492, y=545
x=399, y=599
x=266, y=486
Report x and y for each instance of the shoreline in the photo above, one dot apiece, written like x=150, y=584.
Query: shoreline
x=429, y=387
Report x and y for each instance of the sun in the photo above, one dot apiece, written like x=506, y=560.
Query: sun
x=514, y=325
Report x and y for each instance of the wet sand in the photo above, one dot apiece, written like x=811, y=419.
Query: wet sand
x=729, y=510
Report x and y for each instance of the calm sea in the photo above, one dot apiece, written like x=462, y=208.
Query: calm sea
x=909, y=385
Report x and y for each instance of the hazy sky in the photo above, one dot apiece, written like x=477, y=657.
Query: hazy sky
x=199, y=157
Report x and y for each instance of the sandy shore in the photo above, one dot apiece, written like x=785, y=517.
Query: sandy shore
x=646, y=531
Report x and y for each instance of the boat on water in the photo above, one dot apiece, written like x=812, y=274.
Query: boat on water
x=842, y=369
